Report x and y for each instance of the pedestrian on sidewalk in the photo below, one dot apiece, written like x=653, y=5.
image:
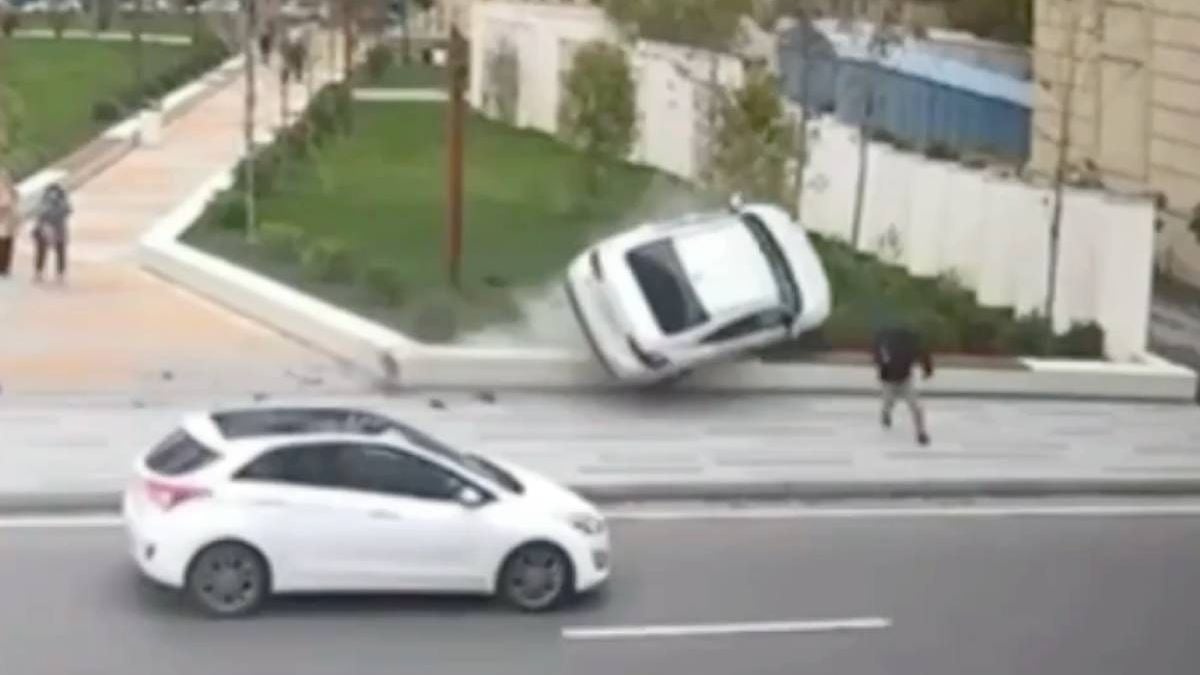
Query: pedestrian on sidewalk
x=266, y=40
x=50, y=233
x=10, y=222
x=897, y=349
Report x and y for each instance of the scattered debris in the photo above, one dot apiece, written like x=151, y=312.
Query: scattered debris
x=487, y=396
x=437, y=404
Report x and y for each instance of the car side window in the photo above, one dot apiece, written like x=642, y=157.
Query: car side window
x=746, y=326
x=310, y=465
x=377, y=468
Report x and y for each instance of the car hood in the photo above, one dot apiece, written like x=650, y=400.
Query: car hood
x=545, y=493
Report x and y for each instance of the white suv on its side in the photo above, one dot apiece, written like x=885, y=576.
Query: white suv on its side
x=662, y=298
x=239, y=504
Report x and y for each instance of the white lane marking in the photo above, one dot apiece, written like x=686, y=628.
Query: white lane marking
x=103, y=520
x=816, y=512
x=710, y=629
x=59, y=522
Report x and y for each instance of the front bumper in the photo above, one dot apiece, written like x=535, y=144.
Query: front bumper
x=608, y=341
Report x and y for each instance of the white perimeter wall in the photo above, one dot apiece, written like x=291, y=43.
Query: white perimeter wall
x=672, y=81
x=992, y=232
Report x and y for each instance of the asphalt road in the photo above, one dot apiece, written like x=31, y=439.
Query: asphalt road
x=964, y=596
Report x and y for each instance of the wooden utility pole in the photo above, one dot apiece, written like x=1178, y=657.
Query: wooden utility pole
x=251, y=103
x=457, y=72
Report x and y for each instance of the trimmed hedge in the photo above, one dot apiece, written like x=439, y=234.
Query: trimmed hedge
x=385, y=282
x=207, y=53
x=328, y=260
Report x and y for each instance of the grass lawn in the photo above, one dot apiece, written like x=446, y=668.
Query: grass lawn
x=56, y=83
x=379, y=191
x=160, y=23
x=411, y=76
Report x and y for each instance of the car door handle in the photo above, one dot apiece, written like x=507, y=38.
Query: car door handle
x=385, y=514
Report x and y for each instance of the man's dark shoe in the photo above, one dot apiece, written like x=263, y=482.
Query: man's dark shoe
x=923, y=438
x=886, y=419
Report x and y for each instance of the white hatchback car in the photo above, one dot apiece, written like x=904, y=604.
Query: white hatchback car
x=239, y=504
x=659, y=299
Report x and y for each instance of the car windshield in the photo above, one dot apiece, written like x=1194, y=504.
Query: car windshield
x=668, y=291
x=789, y=291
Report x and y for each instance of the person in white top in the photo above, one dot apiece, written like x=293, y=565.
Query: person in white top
x=10, y=221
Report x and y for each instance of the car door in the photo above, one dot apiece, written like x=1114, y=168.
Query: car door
x=748, y=333
x=314, y=531
x=423, y=538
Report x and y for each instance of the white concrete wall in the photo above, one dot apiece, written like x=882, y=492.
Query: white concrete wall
x=991, y=232
x=673, y=83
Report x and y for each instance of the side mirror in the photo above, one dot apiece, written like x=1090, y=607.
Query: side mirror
x=470, y=497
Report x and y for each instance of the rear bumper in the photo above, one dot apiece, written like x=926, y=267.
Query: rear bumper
x=157, y=554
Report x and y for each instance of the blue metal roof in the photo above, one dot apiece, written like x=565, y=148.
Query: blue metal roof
x=908, y=57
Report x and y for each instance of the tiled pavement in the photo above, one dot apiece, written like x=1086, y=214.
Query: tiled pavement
x=114, y=327
x=679, y=446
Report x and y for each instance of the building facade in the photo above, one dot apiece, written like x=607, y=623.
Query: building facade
x=1117, y=82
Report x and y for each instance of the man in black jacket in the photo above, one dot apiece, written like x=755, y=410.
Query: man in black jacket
x=896, y=350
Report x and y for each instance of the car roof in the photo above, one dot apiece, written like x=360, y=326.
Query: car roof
x=247, y=431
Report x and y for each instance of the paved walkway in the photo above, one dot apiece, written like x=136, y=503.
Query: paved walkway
x=63, y=452
x=114, y=327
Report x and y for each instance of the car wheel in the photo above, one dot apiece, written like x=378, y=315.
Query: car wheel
x=536, y=577
x=228, y=579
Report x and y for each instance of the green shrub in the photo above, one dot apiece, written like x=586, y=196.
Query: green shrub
x=386, y=282
x=106, y=112
x=1081, y=341
x=982, y=332
x=847, y=328
x=436, y=320
x=9, y=23
x=282, y=240
x=939, y=333
x=59, y=22
x=328, y=260
x=228, y=211
x=1027, y=335
x=322, y=116
x=296, y=139
x=343, y=106
x=379, y=60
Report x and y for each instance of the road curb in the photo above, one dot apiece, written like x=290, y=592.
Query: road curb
x=61, y=502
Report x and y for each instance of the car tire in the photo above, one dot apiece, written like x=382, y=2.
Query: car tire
x=536, y=577
x=228, y=579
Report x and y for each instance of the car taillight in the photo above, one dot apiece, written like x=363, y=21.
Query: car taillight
x=169, y=495
x=597, y=270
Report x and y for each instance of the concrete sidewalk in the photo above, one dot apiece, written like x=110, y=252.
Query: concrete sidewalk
x=114, y=327
x=78, y=454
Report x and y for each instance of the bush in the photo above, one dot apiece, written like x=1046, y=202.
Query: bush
x=436, y=321
x=282, y=240
x=9, y=23
x=106, y=112
x=386, y=282
x=1082, y=341
x=59, y=22
x=228, y=211
x=322, y=115
x=296, y=139
x=379, y=60
x=343, y=106
x=328, y=260
x=1029, y=334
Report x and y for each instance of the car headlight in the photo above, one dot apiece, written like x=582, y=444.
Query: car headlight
x=587, y=523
